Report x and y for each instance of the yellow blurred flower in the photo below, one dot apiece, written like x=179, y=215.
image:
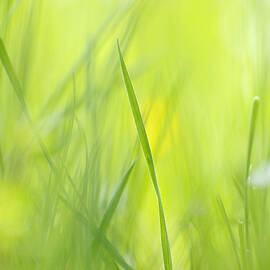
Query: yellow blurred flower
x=161, y=124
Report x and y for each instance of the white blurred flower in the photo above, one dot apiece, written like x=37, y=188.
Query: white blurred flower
x=260, y=178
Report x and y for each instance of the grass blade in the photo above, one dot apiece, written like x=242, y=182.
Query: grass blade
x=149, y=159
x=12, y=76
x=113, y=205
x=251, y=132
x=115, y=200
x=225, y=216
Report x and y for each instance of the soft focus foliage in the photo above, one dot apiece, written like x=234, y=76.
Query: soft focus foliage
x=195, y=66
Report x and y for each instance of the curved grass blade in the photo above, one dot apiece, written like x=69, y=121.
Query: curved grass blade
x=18, y=91
x=251, y=132
x=12, y=76
x=149, y=159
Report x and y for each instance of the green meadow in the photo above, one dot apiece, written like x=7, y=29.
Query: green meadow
x=134, y=134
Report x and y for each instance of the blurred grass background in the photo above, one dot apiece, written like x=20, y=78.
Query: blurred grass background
x=196, y=66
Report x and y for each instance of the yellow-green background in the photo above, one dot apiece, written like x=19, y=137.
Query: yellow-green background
x=195, y=66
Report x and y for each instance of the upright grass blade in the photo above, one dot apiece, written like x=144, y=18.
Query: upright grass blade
x=225, y=216
x=149, y=159
x=251, y=132
x=112, y=206
x=115, y=200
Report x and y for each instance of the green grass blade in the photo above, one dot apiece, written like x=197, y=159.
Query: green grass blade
x=12, y=76
x=149, y=159
x=251, y=132
x=116, y=198
x=113, y=205
x=225, y=216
